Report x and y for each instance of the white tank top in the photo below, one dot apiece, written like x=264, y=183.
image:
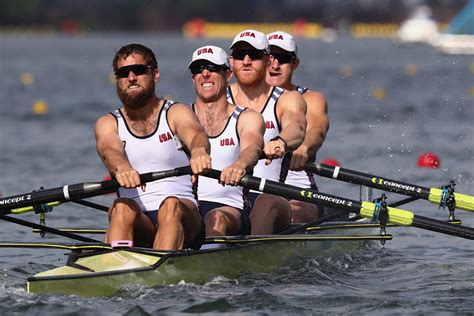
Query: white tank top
x=160, y=150
x=225, y=149
x=277, y=170
x=302, y=178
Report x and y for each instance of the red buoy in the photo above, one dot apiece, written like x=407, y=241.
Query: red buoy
x=429, y=160
x=331, y=161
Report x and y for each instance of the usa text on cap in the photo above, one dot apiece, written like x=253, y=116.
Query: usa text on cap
x=214, y=54
x=255, y=38
x=282, y=40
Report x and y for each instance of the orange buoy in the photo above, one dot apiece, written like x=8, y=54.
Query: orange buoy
x=428, y=160
x=379, y=94
x=27, y=78
x=40, y=107
x=345, y=71
x=331, y=161
x=471, y=91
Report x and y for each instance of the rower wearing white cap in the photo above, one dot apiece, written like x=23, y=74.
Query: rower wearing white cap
x=236, y=138
x=280, y=73
x=285, y=123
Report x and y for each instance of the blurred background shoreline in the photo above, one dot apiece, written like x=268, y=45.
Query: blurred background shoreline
x=76, y=17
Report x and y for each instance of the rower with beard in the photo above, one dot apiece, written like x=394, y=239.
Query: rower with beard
x=285, y=123
x=236, y=137
x=280, y=73
x=148, y=133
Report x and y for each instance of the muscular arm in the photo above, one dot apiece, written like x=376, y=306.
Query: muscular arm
x=291, y=112
x=316, y=129
x=110, y=149
x=185, y=125
x=251, y=128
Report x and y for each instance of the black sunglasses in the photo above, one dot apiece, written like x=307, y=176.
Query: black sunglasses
x=137, y=69
x=283, y=58
x=254, y=54
x=211, y=67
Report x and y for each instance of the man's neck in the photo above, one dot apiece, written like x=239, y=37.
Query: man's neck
x=213, y=116
x=252, y=96
x=289, y=86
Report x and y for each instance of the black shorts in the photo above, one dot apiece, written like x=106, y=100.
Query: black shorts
x=252, y=196
x=206, y=206
x=197, y=241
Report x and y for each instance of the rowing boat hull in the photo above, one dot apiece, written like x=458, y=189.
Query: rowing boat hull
x=108, y=272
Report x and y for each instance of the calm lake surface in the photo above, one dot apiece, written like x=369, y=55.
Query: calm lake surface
x=428, y=106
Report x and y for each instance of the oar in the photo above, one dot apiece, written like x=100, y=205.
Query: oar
x=57, y=203
x=303, y=227
x=365, y=209
x=46, y=229
x=280, y=238
x=434, y=195
x=79, y=190
x=68, y=246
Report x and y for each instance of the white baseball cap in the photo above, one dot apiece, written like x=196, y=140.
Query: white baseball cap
x=255, y=38
x=282, y=40
x=214, y=54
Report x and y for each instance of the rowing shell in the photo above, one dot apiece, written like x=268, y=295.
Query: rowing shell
x=95, y=270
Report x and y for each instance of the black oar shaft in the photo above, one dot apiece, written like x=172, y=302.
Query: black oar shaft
x=366, y=209
x=305, y=195
x=79, y=191
x=443, y=227
x=404, y=201
x=302, y=227
x=46, y=229
x=92, y=205
x=369, y=180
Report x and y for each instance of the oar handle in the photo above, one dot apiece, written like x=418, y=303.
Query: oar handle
x=108, y=186
x=80, y=190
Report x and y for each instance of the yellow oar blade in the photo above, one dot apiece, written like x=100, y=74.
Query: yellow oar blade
x=462, y=201
x=395, y=215
x=26, y=209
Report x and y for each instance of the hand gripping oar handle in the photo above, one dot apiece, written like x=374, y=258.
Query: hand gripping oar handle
x=434, y=195
x=365, y=209
x=80, y=190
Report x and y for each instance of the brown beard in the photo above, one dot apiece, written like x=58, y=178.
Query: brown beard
x=135, y=102
x=249, y=80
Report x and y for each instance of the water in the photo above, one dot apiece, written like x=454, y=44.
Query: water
x=417, y=272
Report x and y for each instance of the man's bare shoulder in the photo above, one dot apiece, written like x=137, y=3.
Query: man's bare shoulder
x=251, y=120
x=291, y=97
x=105, y=119
x=181, y=114
x=250, y=114
x=314, y=97
x=291, y=93
x=180, y=108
